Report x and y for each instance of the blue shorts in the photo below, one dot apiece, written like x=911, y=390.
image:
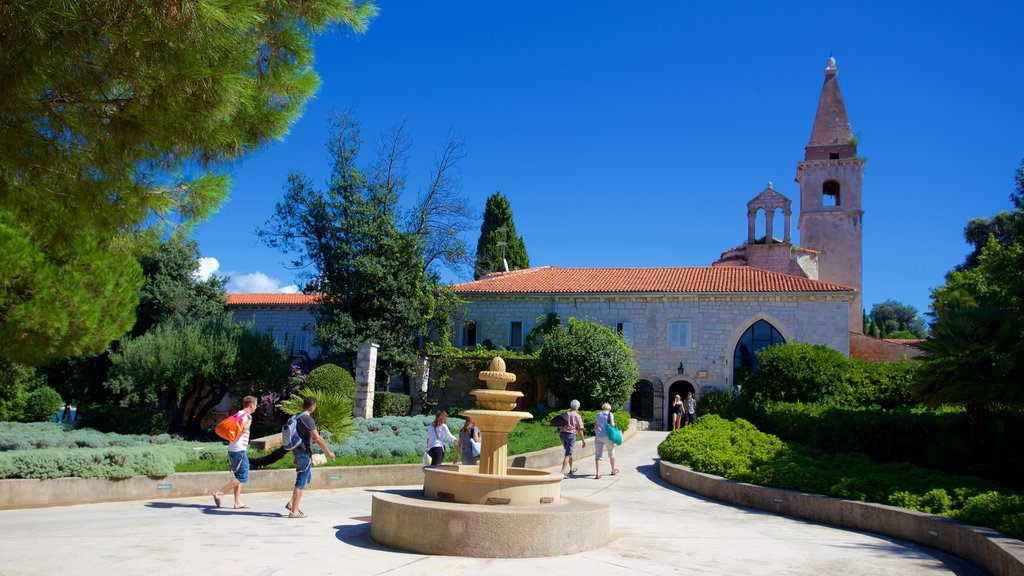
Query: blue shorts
x=303, y=469
x=568, y=440
x=239, y=465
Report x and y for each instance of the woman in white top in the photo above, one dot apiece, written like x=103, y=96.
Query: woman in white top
x=437, y=433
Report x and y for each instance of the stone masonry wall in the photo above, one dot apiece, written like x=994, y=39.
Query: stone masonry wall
x=291, y=326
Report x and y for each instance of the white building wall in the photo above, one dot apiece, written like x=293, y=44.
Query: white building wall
x=291, y=326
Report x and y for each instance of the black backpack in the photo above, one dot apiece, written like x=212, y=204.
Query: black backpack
x=560, y=420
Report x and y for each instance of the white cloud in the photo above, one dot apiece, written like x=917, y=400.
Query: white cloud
x=207, y=266
x=258, y=282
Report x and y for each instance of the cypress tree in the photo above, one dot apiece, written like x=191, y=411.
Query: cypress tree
x=498, y=239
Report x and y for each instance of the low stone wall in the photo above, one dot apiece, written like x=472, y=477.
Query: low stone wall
x=996, y=553
x=68, y=491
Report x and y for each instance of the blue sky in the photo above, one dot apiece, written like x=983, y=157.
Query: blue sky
x=633, y=134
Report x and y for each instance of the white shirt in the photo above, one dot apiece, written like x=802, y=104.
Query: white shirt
x=437, y=436
x=242, y=442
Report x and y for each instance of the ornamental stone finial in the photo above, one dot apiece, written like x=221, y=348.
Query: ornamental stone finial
x=831, y=63
x=770, y=185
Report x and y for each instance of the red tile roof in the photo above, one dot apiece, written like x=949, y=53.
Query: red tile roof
x=702, y=279
x=275, y=299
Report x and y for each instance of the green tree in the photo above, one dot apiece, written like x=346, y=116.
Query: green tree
x=973, y=358
x=171, y=290
x=117, y=116
x=498, y=240
x=186, y=367
x=332, y=378
x=588, y=362
x=1002, y=227
x=346, y=241
x=891, y=316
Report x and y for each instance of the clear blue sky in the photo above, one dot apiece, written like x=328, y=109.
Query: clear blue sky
x=633, y=134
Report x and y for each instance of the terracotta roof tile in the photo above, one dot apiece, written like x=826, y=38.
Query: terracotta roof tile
x=275, y=299
x=697, y=279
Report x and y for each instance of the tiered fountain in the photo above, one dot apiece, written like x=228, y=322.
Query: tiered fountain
x=490, y=510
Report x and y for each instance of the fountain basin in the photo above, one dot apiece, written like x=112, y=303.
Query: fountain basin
x=516, y=487
x=407, y=520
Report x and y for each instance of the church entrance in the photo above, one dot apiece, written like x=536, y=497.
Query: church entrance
x=641, y=402
x=680, y=387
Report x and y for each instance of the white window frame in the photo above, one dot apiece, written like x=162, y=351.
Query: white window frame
x=672, y=338
x=522, y=333
x=624, y=328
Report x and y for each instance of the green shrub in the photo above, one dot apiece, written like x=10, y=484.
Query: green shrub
x=126, y=420
x=41, y=405
x=391, y=404
x=714, y=402
x=114, y=462
x=331, y=377
x=588, y=362
x=27, y=436
x=621, y=419
x=718, y=446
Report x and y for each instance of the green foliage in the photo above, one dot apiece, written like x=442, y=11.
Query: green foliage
x=171, y=291
x=40, y=405
x=498, y=240
x=16, y=382
x=94, y=462
x=40, y=435
x=815, y=373
x=105, y=134
x=590, y=363
x=738, y=451
x=717, y=446
x=714, y=402
x=546, y=323
x=333, y=412
x=371, y=274
x=187, y=367
x=331, y=378
x=391, y=404
x=891, y=316
x=621, y=419
x=126, y=419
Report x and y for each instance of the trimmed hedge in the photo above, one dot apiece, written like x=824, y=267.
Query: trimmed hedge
x=27, y=436
x=114, y=462
x=126, y=420
x=391, y=404
x=739, y=451
x=332, y=378
x=621, y=419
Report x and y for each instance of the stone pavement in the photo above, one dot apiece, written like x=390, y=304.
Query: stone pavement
x=656, y=529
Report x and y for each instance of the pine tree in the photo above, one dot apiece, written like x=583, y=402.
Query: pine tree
x=117, y=116
x=498, y=240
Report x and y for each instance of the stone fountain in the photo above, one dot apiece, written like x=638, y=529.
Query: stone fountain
x=490, y=510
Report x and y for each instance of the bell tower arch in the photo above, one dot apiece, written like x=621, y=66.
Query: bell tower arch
x=831, y=213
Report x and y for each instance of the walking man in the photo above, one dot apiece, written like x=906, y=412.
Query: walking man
x=238, y=456
x=303, y=455
x=568, y=436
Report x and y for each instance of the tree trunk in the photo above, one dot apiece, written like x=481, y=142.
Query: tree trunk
x=264, y=461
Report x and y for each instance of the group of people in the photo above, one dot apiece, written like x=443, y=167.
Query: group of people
x=302, y=456
x=684, y=412
x=438, y=433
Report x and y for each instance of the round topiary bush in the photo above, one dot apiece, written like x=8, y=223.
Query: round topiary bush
x=41, y=404
x=332, y=378
x=588, y=362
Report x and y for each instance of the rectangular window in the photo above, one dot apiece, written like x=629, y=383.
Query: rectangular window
x=679, y=334
x=624, y=328
x=469, y=333
x=515, y=334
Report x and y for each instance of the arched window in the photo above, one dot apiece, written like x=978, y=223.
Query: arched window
x=830, y=193
x=761, y=334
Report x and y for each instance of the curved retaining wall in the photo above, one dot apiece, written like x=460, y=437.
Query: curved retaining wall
x=996, y=553
x=68, y=491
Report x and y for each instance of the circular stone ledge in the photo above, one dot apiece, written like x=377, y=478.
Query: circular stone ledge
x=409, y=522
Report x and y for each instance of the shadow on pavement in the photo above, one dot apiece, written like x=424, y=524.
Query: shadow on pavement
x=214, y=511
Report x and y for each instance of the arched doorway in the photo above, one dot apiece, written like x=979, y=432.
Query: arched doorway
x=641, y=402
x=761, y=334
x=680, y=387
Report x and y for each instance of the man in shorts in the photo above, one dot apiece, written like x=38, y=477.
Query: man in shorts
x=238, y=456
x=568, y=435
x=303, y=455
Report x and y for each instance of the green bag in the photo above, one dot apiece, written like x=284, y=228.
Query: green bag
x=613, y=433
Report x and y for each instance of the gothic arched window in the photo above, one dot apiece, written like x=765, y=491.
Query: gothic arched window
x=761, y=334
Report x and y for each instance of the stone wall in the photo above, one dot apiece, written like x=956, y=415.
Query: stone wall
x=291, y=326
x=877, y=350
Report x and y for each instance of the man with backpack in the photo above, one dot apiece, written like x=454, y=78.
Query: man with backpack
x=302, y=452
x=238, y=457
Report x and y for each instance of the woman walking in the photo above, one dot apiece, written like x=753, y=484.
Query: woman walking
x=437, y=433
x=677, y=412
x=469, y=434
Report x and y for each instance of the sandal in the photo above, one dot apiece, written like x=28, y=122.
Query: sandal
x=242, y=507
x=614, y=472
x=573, y=471
x=298, y=514
x=216, y=499
x=288, y=507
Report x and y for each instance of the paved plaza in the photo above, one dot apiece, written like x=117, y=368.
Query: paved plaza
x=656, y=529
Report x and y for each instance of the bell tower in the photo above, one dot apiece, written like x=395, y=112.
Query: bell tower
x=831, y=212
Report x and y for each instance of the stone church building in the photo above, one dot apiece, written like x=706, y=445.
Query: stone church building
x=693, y=329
